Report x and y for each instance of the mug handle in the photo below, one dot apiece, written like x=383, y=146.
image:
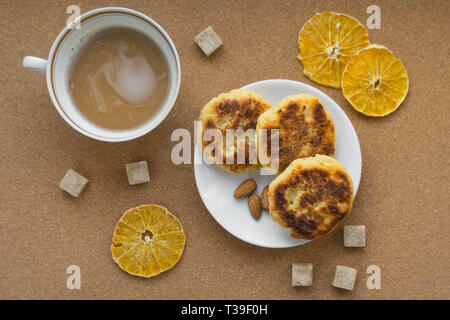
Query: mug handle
x=35, y=64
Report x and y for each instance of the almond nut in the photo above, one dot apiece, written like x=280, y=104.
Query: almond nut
x=265, y=198
x=245, y=189
x=254, y=204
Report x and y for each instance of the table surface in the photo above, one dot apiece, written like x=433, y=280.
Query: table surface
x=403, y=197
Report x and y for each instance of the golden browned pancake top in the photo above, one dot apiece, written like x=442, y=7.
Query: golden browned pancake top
x=311, y=196
x=305, y=128
x=237, y=109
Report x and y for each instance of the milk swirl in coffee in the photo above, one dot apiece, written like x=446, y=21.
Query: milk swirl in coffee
x=120, y=79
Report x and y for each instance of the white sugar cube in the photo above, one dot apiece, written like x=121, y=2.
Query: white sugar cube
x=73, y=183
x=354, y=236
x=208, y=41
x=302, y=274
x=344, y=277
x=137, y=172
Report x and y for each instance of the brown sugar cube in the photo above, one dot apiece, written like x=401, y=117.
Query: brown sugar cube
x=302, y=274
x=208, y=41
x=137, y=172
x=73, y=183
x=354, y=236
x=344, y=277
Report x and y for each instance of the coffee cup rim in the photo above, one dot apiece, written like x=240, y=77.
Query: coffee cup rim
x=151, y=123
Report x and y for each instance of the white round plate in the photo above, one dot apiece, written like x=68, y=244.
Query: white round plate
x=216, y=186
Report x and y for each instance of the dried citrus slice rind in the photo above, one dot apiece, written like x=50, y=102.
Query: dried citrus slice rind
x=327, y=41
x=147, y=240
x=375, y=82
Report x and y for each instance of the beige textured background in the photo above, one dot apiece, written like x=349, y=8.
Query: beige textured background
x=403, y=196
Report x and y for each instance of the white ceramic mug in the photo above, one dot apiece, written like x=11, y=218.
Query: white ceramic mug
x=66, y=48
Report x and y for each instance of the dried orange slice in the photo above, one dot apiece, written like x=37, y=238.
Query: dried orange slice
x=375, y=82
x=327, y=41
x=147, y=241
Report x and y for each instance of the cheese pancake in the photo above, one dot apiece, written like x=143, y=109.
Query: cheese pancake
x=311, y=196
x=305, y=129
x=236, y=110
